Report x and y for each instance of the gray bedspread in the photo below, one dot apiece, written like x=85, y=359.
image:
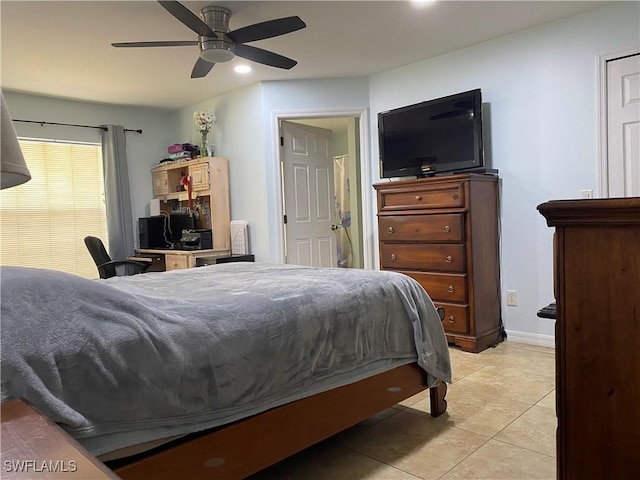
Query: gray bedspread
x=129, y=359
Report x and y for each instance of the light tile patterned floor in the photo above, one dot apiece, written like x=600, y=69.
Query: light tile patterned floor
x=500, y=424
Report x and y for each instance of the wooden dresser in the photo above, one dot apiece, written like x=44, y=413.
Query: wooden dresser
x=443, y=232
x=597, y=290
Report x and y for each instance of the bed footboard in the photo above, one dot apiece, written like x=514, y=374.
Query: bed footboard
x=247, y=446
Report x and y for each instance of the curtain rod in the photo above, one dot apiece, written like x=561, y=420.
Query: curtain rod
x=74, y=125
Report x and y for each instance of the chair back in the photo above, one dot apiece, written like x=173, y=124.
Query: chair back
x=100, y=256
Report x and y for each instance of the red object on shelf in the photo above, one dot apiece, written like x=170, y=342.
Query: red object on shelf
x=186, y=181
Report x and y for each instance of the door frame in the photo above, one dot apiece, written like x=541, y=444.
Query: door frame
x=365, y=174
x=603, y=157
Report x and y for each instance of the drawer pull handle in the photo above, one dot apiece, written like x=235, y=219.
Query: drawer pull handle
x=450, y=289
x=393, y=256
x=452, y=319
x=418, y=198
x=390, y=229
x=449, y=259
x=447, y=228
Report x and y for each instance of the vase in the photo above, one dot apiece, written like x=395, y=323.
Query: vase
x=203, y=147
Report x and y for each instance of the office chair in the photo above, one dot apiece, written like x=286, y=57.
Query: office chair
x=106, y=266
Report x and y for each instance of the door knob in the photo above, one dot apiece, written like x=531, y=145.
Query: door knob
x=335, y=227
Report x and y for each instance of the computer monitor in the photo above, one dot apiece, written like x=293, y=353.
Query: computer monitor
x=179, y=222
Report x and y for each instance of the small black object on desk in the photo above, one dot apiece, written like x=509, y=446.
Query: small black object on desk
x=201, y=262
x=236, y=258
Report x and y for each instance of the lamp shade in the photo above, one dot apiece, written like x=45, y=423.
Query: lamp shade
x=13, y=169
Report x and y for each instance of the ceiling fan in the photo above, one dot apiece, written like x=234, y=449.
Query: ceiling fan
x=218, y=44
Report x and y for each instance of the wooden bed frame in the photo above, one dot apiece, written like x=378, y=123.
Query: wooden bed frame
x=245, y=447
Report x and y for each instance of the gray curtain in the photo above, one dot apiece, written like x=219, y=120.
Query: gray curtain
x=117, y=192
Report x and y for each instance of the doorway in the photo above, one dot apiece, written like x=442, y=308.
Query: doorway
x=305, y=243
x=620, y=124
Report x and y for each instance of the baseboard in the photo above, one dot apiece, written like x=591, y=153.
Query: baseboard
x=531, y=338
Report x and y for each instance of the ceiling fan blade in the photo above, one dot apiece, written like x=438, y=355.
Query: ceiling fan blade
x=185, y=43
x=188, y=18
x=201, y=68
x=264, y=56
x=268, y=29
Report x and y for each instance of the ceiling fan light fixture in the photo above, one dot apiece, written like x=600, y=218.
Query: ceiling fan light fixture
x=217, y=51
x=217, y=44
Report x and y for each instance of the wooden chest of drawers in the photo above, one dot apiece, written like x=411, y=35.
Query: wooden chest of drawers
x=597, y=290
x=443, y=232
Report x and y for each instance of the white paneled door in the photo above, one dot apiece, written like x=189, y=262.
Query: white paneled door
x=623, y=126
x=307, y=171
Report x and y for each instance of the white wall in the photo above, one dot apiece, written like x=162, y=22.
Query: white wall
x=158, y=127
x=540, y=86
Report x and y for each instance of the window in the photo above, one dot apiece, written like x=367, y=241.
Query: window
x=44, y=221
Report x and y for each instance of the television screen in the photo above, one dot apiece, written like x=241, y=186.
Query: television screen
x=441, y=135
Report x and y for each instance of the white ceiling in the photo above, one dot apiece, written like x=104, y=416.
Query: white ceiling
x=62, y=48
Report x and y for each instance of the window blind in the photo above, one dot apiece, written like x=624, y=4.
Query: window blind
x=44, y=221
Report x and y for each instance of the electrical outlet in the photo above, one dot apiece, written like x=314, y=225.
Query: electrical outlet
x=512, y=298
x=586, y=193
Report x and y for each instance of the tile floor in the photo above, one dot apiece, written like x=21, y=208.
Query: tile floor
x=500, y=424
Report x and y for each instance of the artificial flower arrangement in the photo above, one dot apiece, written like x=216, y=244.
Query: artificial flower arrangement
x=204, y=123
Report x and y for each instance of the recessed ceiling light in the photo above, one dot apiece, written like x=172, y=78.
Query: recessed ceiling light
x=422, y=3
x=242, y=69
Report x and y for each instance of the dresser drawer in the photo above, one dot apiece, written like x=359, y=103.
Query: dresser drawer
x=443, y=195
x=439, y=257
x=446, y=287
x=456, y=317
x=176, y=262
x=425, y=228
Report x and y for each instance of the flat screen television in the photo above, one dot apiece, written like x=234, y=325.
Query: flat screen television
x=440, y=135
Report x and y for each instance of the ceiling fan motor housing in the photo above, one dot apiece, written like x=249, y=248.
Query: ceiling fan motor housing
x=218, y=44
x=221, y=49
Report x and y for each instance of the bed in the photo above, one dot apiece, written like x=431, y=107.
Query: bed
x=218, y=371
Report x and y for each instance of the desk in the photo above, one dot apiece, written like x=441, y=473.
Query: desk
x=179, y=259
x=166, y=259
